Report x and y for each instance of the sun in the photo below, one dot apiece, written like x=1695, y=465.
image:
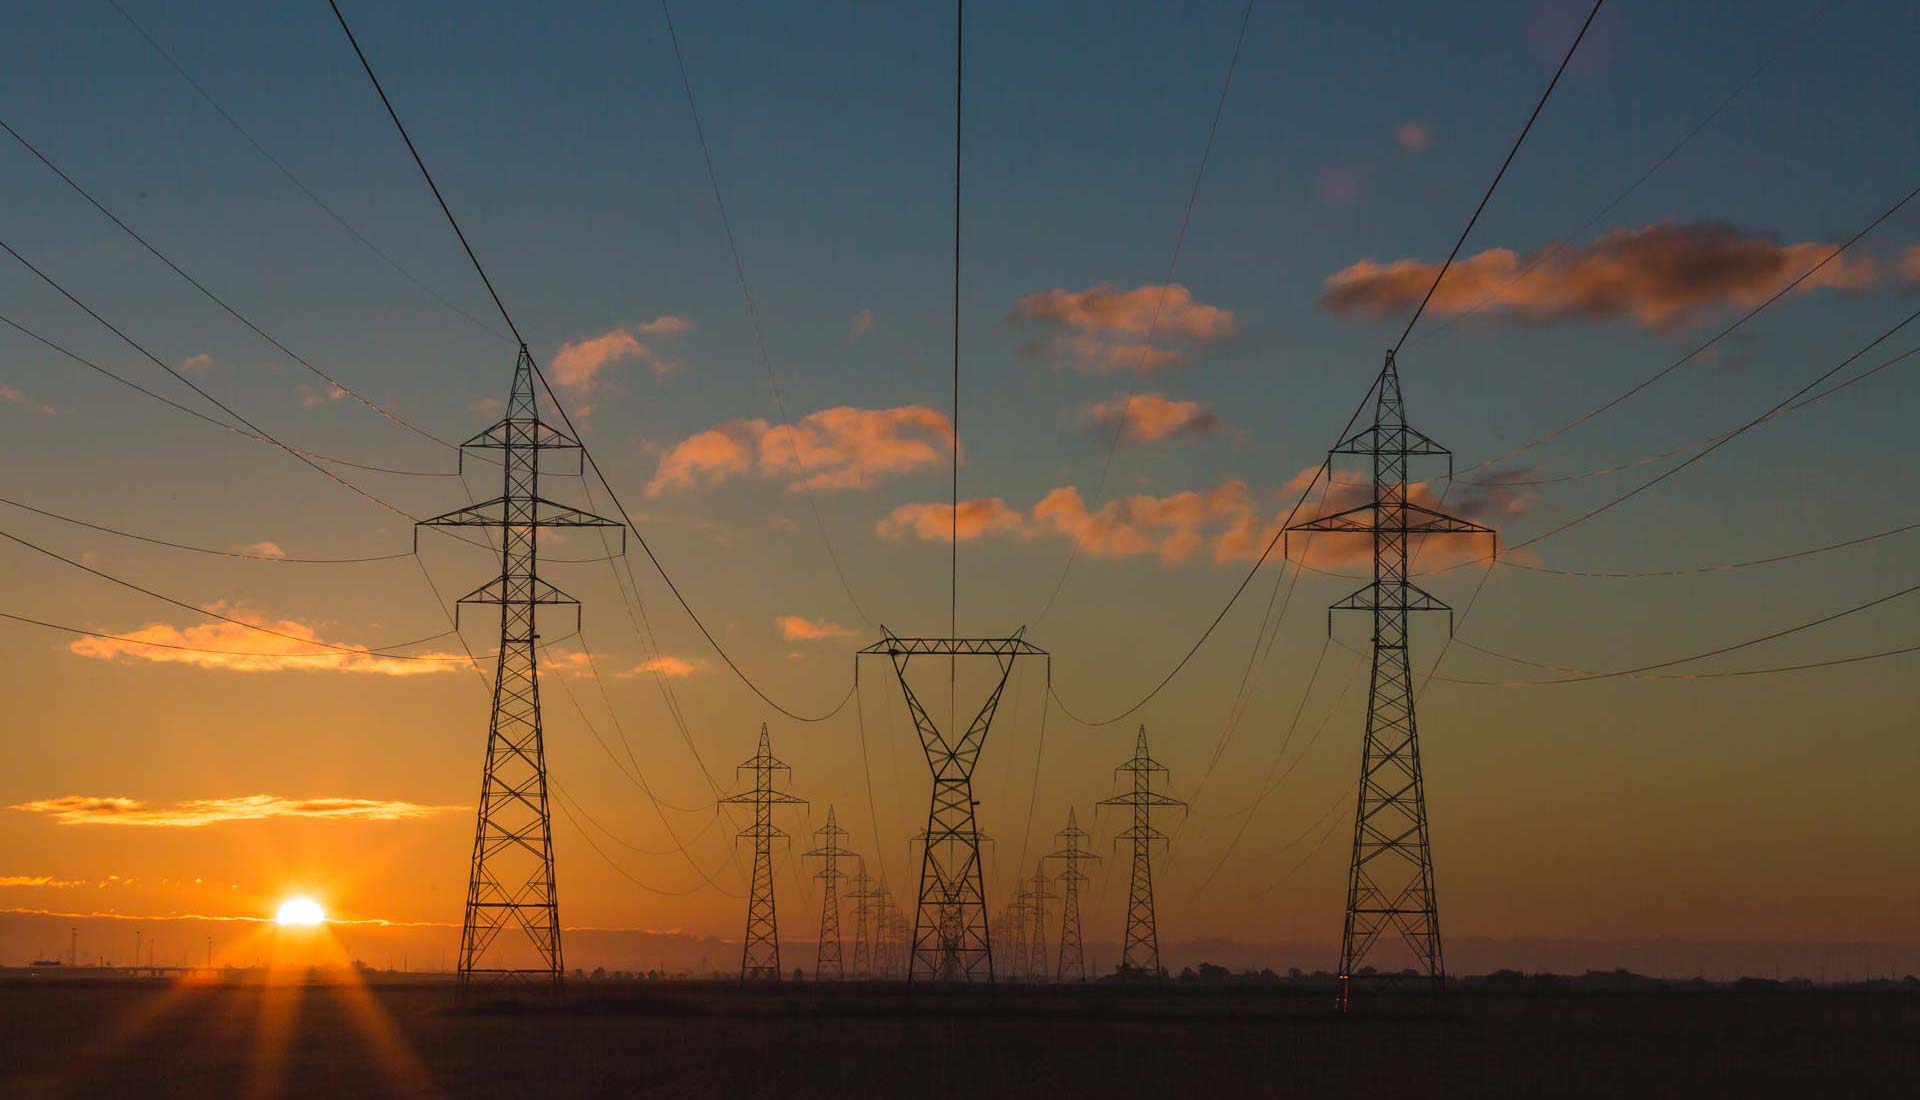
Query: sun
x=302, y=912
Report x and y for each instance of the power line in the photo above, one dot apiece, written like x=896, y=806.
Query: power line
x=1160, y=300
x=377, y=651
x=1497, y=177
x=1723, y=441
x=200, y=549
x=753, y=310
x=1766, y=671
x=339, y=219
x=197, y=414
x=566, y=418
x=1717, y=337
x=215, y=298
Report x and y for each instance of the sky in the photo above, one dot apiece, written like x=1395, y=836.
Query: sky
x=1693, y=161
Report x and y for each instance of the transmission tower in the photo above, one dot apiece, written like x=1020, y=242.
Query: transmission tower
x=887, y=934
x=1037, y=898
x=760, y=951
x=1013, y=925
x=827, y=963
x=510, y=885
x=863, y=895
x=1390, y=881
x=1071, y=963
x=1140, y=958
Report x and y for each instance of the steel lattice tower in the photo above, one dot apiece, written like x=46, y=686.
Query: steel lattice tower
x=951, y=941
x=1140, y=958
x=510, y=886
x=827, y=962
x=887, y=934
x=1071, y=963
x=1037, y=898
x=863, y=895
x=1390, y=881
x=760, y=951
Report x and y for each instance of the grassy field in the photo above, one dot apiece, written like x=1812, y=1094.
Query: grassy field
x=140, y=1039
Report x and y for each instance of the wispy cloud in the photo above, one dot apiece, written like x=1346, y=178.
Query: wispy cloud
x=861, y=325
x=1656, y=276
x=312, y=397
x=36, y=881
x=663, y=665
x=264, y=549
x=196, y=364
x=796, y=629
x=577, y=366
x=77, y=809
x=1149, y=417
x=235, y=648
x=14, y=396
x=837, y=448
x=1413, y=135
x=1103, y=328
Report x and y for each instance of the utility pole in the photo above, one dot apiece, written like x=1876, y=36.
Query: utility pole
x=760, y=950
x=1037, y=898
x=827, y=962
x=1390, y=879
x=951, y=942
x=1071, y=963
x=510, y=883
x=1140, y=958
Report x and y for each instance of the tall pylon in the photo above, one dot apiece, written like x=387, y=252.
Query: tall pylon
x=951, y=942
x=887, y=933
x=1390, y=879
x=1070, y=963
x=828, y=964
x=1036, y=936
x=760, y=949
x=1140, y=958
x=510, y=883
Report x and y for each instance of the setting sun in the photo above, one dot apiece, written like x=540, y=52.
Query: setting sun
x=300, y=912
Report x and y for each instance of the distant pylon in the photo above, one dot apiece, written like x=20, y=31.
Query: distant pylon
x=862, y=895
x=1071, y=963
x=1390, y=879
x=1140, y=958
x=510, y=882
x=1013, y=936
x=951, y=941
x=1037, y=898
x=887, y=933
x=760, y=951
x=828, y=964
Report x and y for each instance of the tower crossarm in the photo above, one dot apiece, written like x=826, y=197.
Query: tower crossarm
x=1392, y=438
x=1416, y=520
x=517, y=431
x=538, y=512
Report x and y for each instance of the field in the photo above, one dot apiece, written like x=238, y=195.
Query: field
x=226, y=1039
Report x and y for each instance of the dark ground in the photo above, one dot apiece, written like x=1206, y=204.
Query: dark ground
x=139, y=1039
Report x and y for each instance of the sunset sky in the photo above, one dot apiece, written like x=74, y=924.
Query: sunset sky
x=149, y=781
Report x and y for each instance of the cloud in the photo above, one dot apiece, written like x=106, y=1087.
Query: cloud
x=264, y=549
x=1910, y=263
x=1172, y=527
x=837, y=448
x=488, y=406
x=230, y=646
x=35, y=880
x=1339, y=186
x=195, y=364
x=78, y=809
x=13, y=396
x=578, y=364
x=575, y=663
x=796, y=629
x=1106, y=329
x=1658, y=276
x=662, y=666
x=1412, y=135
x=312, y=397
x=937, y=522
x=861, y=325
x=1227, y=522
x=1148, y=417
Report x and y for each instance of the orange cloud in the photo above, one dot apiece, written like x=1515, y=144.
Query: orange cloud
x=236, y=648
x=662, y=666
x=1413, y=135
x=264, y=549
x=14, y=396
x=861, y=325
x=939, y=522
x=1658, y=276
x=1173, y=527
x=78, y=809
x=1147, y=417
x=1105, y=329
x=1910, y=263
x=35, y=880
x=796, y=629
x=837, y=448
x=577, y=365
